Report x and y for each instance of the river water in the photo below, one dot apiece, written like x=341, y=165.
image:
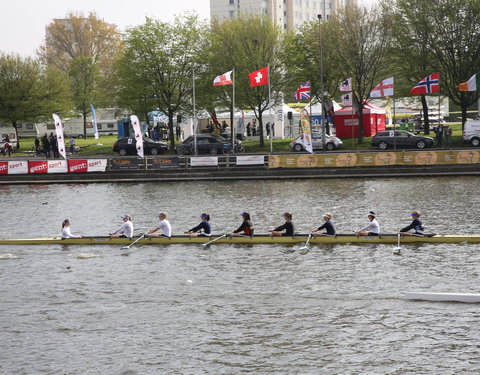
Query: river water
x=263, y=309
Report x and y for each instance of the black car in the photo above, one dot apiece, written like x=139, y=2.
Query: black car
x=207, y=144
x=401, y=139
x=126, y=146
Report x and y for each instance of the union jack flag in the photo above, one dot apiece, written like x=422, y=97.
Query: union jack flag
x=303, y=91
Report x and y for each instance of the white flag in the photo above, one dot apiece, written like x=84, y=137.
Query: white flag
x=224, y=79
x=138, y=135
x=384, y=88
x=59, y=133
x=347, y=100
x=346, y=85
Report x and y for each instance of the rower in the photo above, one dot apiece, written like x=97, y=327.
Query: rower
x=66, y=230
x=327, y=225
x=371, y=229
x=416, y=225
x=288, y=227
x=246, y=228
x=204, y=225
x=125, y=230
x=164, y=226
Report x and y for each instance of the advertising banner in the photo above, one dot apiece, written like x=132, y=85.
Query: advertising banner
x=18, y=167
x=3, y=167
x=250, y=160
x=57, y=166
x=90, y=165
x=124, y=164
x=37, y=166
x=205, y=161
x=166, y=163
x=97, y=165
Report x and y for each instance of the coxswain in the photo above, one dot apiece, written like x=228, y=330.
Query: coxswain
x=126, y=229
x=288, y=227
x=371, y=229
x=327, y=225
x=246, y=228
x=66, y=230
x=164, y=226
x=204, y=225
x=416, y=225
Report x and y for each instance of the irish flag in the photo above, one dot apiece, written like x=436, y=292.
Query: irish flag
x=473, y=84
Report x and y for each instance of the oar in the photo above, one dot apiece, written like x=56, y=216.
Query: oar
x=397, y=249
x=134, y=242
x=305, y=247
x=215, y=239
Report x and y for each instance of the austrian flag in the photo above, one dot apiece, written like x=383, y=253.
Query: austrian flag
x=259, y=77
x=224, y=79
x=427, y=85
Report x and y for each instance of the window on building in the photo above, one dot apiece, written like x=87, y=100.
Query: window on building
x=99, y=126
x=231, y=2
x=29, y=126
x=284, y=13
x=232, y=13
x=110, y=125
x=19, y=126
x=50, y=126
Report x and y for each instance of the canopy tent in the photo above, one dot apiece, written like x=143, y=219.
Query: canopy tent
x=374, y=121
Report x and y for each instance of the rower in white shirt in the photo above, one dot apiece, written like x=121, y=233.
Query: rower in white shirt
x=372, y=229
x=126, y=230
x=66, y=230
x=164, y=226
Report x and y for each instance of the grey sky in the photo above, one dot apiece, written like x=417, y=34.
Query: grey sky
x=22, y=26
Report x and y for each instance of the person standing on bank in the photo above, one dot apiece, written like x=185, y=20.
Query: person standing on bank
x=246, y=228
x=125, y=230
x=204, y=225
x=439, y=135
x=416, y=225
x=46, y=146
x=288, y=227
x=327, y=225
x=66, y=230
x=448, y=136
x=371, y=229
x=72, y=144
x=164, y=226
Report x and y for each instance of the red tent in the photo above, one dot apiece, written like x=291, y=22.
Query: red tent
x=374, y=119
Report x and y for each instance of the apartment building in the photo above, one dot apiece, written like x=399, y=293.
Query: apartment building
x=291, y=14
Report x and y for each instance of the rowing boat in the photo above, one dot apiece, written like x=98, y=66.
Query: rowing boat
x=257, y=239
x=444, y=297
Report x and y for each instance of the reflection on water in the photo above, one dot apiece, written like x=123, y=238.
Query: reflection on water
x=238, y=309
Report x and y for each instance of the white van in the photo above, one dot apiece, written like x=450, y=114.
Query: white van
x=471, y=132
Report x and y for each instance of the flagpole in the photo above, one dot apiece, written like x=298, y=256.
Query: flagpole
x=194, y=116
x=322, y=89
x=233, y=109
x=270, y=105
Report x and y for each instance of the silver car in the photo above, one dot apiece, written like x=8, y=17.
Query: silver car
x=331, y=143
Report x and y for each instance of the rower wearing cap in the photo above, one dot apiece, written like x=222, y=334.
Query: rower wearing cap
x=126, y=229
x=288, y=227
x=204, y=225
x=246, y=227
x=66, y=230
x=164, y=226
x=372, y=228
x=327, y=225
x=416, y=225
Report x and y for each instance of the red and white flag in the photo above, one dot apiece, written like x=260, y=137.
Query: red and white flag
x=138, y=135
x=384, y=88
x=224, y=79
x=346, y=85
x=428, y=85
x=347, y=100
x=259, y=77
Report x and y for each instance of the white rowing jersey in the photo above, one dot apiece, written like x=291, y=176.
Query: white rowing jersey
x=372, y=227
x=126, y=229
x=165, y=227
x=66, y=232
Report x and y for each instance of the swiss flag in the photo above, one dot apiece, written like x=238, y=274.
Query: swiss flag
x=259, y=77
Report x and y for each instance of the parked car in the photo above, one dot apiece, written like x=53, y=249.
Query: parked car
x=471, y=132
x=212, y=144
x=331, y=143
x=126, y=146
x=402, y=139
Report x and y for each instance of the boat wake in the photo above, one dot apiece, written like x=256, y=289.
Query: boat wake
x=84, y=255
x=8, y=256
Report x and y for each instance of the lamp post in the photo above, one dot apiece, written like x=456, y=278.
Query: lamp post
x=322, y=89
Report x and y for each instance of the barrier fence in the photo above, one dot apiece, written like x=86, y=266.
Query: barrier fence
x=366, y=159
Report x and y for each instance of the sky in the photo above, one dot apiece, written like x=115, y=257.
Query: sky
x=22, y=22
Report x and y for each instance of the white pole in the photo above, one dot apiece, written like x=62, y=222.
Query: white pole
x=233, y=110
x=270, y=111
x=194, y=116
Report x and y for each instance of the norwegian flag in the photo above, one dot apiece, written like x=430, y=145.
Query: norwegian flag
x=427, y=85
x=302, y=91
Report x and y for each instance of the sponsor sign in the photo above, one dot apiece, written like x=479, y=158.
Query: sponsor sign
x=251, y=160
x=37, y=166
x=124, y=164
x=97, y=165
x=205, y=161
x=166, y=163
x=87, y=165
x=18, y=167
x=57, y=166
x=3, y=167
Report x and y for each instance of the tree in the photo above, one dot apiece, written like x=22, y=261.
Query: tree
x=362, y=36
x=249, y=43
x=161, y=58
x=85, y=47
x=28, y=91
